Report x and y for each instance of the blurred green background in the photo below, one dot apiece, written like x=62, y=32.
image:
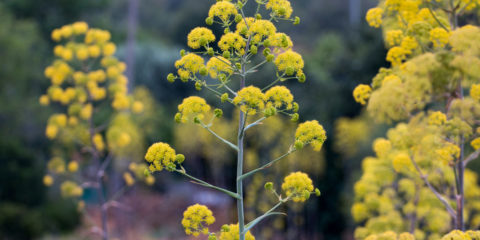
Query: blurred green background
x=339, y=49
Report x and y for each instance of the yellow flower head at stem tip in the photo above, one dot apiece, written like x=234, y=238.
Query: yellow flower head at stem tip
x=192, y=109
x=161, y=155
x=232, y=233
x=310, y=132
x=279, y=96
x=199, y=37
x=298, y=186
x=280, y=8
x=374, y=17
x=362, y=93
x=289, y=62
x=189, y=65
x=219, y=65
x=250, y=99
x=222, y=10
x=196, y=220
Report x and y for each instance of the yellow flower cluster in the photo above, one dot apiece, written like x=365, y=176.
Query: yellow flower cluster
x=310, y=132
x=289, y=63
x=403, y=163
x=232, y=233
x=192, y=108
x=231, y=41
x=261, y=29
x=189, y=65
x=280, y=41
x=437, y=118
x=200, y=37
x=223, y=10
x=394, y=37
x=196, y=220
x=279, y=96
x=475, y=92
x=55, y=123
x=250, y=99
x=396, y=55
x=71, y=189
x=391, y=236
x=68, y=31
x=439, y=37
x=219, y=65
x=459, y=235
x=298, y=186
x=475, y=143
x=161, y=155
x=381, y=146
x=362, y=93
x=448, y=153
x=280, y=8
x=374, y=17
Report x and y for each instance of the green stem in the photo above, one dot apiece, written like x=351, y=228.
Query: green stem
x=205, y=184
x=265, y=166
x=259, y=121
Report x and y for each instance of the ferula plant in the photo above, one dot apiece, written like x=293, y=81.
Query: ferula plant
x=418, y=185
x=95, y=123
x=226, y=74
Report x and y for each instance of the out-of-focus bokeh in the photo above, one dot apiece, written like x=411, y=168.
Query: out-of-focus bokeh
x=340, y=52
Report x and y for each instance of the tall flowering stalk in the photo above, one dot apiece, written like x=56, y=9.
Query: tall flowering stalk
x=95, y=125
x=226, y=75
x=418, y=177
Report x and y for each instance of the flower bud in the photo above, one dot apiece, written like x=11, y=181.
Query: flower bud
x=298, y=145
x=301, y=77
x=270, y=112
x=171, y=77
x=224, y=97
x=295, y=117
x=238, y=18
x=180, y=158
x=295, y=107
x=317, y=192
x=210, y=51
x=196, y=120
x=226, y=30
x=289, y=71
x=225, y=228
x=218, y=113
x=178, y=118
x=212, y=237
x=239, y=4
x=270, y=57
x=296, y=21
x=266, y=44
x=182, y=52
x=266, y=51
x=226, y=54
x=238, y=66
x=198, y=86
x=268, y=186
x=146, y=172
x=254, y=50
x=258, y=16
x=306, y=194
x=203, y=71
x=209, y=21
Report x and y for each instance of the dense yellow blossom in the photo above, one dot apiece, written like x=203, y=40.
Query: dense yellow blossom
x=250, y=99
x=394, y=37
x=381, y=146
x=475, y=143
x=396, y=55
x=439, y=37
x=437, y=118
x=261, y=29
x=281, y=8
x=298, y=186
x=311, y=132
x=232, y=233
x=223, y=10
x=189, y=65
x=289, y=62
x=279, y=96
x=161, y=155
x=196, y=220
x=362, y=93
x=475, y=92
x=280, y=40
x=219, y=65
x=232, y=41
x=402, y=163
x=71, y=189
x=191, y=108
x=374, y=17
x=199, y=37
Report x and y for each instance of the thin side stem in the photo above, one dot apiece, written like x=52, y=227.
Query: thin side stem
x=269, y=164
x=222, y=139
x=205, y=184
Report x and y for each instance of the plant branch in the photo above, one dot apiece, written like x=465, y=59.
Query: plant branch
x=205, y=184
x=266, y=165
